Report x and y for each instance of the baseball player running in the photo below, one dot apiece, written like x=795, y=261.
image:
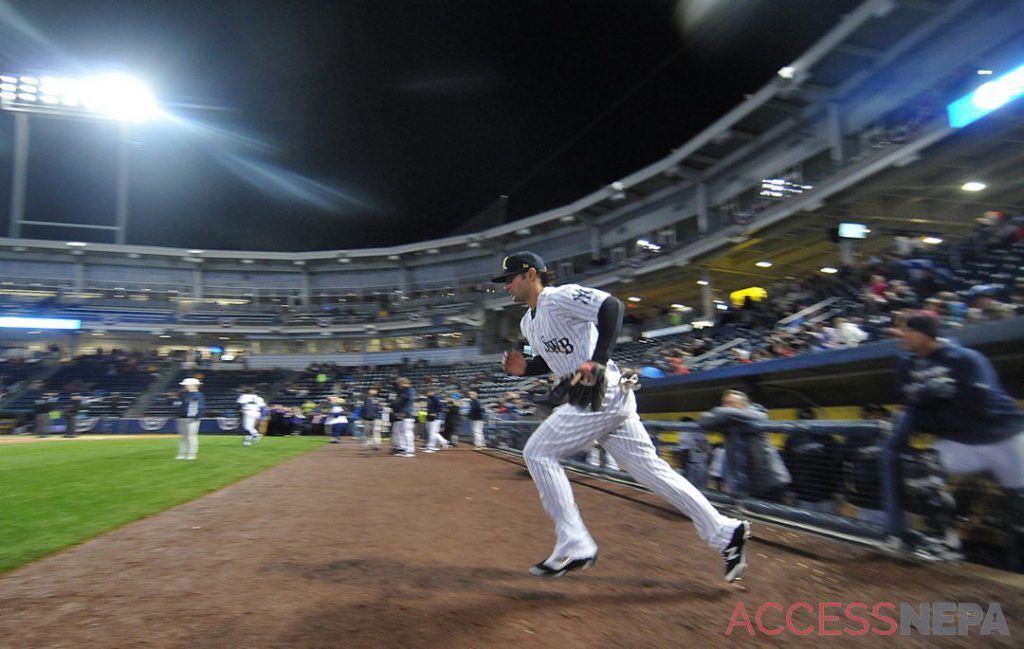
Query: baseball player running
x=250, y=406
x=954, y=393
x=573, y=329
x=435, y=415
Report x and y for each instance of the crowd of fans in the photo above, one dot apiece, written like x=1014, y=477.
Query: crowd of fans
x=861, y=302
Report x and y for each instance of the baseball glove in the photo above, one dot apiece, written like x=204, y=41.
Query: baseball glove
x=587, y=386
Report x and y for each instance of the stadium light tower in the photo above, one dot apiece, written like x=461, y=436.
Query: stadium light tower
x=114, y=97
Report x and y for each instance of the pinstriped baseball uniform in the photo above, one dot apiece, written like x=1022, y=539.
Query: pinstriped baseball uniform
x=563, y=331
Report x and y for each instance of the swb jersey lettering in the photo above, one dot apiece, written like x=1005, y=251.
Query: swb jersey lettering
x=564, y=328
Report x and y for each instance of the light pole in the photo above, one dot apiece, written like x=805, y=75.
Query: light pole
x=113, y=97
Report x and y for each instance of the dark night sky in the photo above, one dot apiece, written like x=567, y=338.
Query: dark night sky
x=320, y=125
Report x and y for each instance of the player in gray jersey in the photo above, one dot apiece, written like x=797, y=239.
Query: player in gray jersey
x=573, y=329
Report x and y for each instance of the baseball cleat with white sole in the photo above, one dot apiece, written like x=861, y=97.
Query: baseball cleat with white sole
x=562, y=565
x=735, y=554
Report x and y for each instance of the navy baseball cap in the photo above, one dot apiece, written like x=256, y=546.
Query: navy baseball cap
x=519, y=262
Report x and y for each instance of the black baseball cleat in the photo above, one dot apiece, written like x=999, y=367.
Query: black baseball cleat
x=736, y=552
x=546, y=571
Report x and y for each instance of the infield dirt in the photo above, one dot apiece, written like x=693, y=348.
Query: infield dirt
x=336, y=549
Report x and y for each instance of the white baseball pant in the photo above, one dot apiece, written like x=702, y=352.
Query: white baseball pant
x=1004, y=460
x=478, y=433
x=249, y=426
x=403, y=434
x=434, y=438
x=188, y=438
x=569, y=430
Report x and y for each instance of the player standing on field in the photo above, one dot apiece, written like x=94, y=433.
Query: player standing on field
x=190, y=405
x=250, y=408
x=402, y=434
x=476, y=417
x=573, y=330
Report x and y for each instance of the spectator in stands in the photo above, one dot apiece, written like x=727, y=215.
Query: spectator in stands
x=814, y=462
x=693, y=456
x=954, y=393
x=114, y=400
x=752, y=465
x=846, y=333
x=986, y=308
x=190, y=404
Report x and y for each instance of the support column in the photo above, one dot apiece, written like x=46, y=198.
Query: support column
x=837, y=143
x=706, y=295
x=702, y=208
x=20, y=176
x=197, y=284
x=120, y=234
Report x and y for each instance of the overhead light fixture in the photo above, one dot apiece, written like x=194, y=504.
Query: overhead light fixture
x=248, y=261
x=165, y=335
x=782, y=187
x=931, y=241
x=394, y=257
x=764, y=264
x=618, y=186
x=344, y=260
x=702, y=282
x=432, y=251
x=634, y=298
x=973, y=186
x=568, y=218
x=473, y=244
x=133, y=255
x=523, y=232
x=984, y=73
x=828, y=270
x=647, y=245
x=112, y=96
x=681, y=307
x=990, y=96
x=76, y=244
x=299, y=262
x=787, y=72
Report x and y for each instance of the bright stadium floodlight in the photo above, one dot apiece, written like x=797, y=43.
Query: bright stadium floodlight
x=988, y=98
x=114, y=96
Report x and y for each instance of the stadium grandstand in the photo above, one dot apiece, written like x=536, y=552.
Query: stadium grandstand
x=773, y=252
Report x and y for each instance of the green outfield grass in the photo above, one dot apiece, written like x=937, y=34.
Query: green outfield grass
x=56, y=494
